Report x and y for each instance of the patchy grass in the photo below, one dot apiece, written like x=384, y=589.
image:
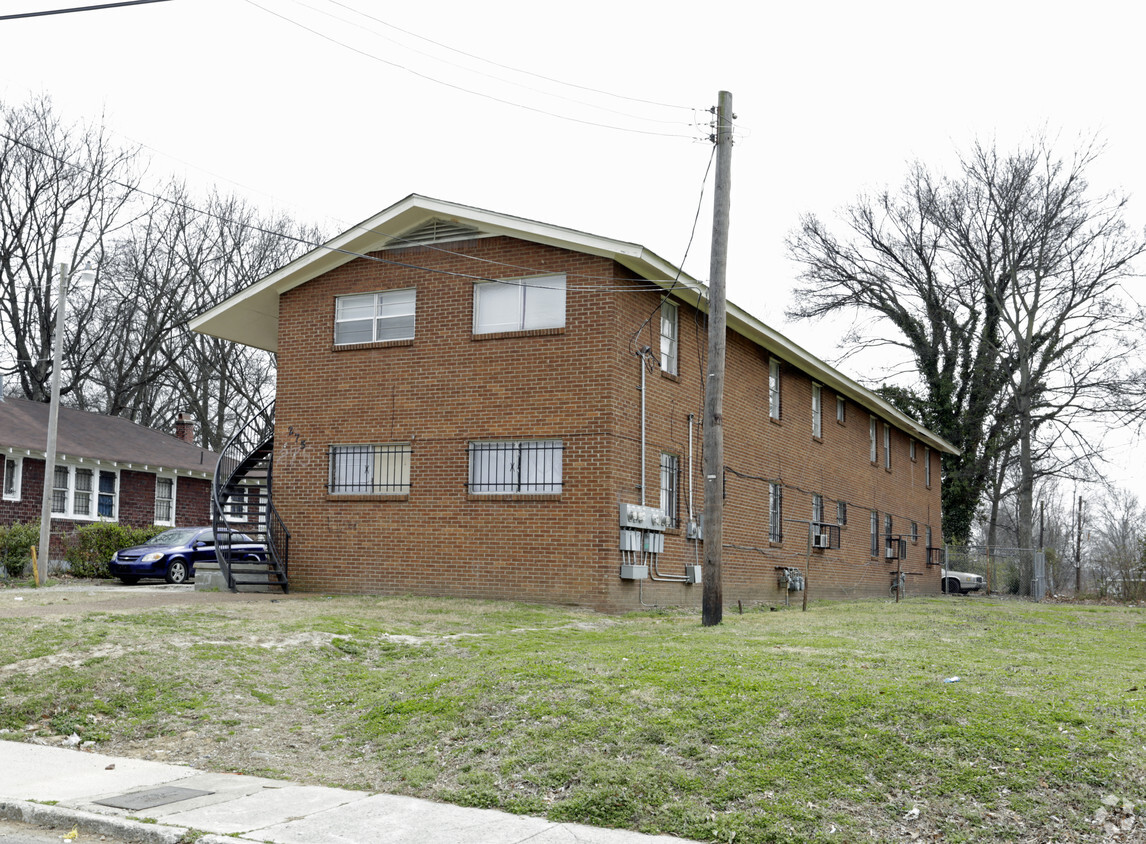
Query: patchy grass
x=835, y=724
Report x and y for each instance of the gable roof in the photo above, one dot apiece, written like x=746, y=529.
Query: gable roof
x=24, y=428
x=250, y=316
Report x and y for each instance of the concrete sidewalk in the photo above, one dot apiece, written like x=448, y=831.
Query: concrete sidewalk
x=55, y=786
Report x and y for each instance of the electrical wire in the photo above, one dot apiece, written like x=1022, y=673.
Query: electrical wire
x=501, y=79
x=462, y=88
x=91, y=8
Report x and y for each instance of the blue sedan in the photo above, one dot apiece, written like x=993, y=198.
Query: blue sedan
x=172, y=555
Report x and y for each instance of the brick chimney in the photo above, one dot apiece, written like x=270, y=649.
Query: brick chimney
x=185, y=428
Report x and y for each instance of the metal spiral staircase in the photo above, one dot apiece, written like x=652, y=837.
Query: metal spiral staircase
x=241, y=503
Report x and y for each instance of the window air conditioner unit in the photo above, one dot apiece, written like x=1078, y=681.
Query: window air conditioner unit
x=891, y=552
x=821, y=540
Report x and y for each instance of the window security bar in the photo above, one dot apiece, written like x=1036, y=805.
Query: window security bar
x=370, y=469
x=531, y=466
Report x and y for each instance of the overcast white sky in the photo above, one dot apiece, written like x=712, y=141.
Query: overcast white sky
x=336, y=121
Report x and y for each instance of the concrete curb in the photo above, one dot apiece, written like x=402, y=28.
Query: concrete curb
x=38, y=814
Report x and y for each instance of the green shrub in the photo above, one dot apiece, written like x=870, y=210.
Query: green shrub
x=16, y=542
x=91, y=546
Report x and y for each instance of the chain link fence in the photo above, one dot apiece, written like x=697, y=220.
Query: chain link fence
x=1009, y=571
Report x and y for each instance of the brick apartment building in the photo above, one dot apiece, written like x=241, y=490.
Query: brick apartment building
x=107, y=469
x=464, y=398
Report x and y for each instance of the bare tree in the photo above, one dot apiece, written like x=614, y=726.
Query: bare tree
x=56, y=181
x=1001, y=285
x=1117, y=559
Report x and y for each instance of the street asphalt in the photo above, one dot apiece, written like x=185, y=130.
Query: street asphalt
x=156, y=803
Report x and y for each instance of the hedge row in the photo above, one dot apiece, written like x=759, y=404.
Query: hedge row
x=87, y=549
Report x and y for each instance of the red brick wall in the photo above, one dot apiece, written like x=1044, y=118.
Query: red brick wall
x=580, y=385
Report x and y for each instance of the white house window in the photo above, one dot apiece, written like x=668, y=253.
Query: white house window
x=370, y=469
x=374, y=317
x=927, y=467
x=817, y=412
x=774, y=389
x=670, y=335
x=519, y=305
x=874, y=533
x=841, y=409
x=775, y=513
x=165, y=501
x=872, y=429
x=670, y=475
x=886, y=446
x=80, y=492
x=526, y=466
x=12, y=472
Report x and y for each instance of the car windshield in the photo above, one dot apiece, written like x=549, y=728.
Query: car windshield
x=176, y=536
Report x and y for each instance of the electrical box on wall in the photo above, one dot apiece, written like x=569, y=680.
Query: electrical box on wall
x=634, y=572
x=638, y=517
x=692, y=574
x=695, y=529
x=630, y=540
x=655, y=543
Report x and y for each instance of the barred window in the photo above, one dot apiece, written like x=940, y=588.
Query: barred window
x=841, y=512
x=82, y=500
x=526, y=466
x=670, y=474
x=874, y=533
x=817, y=509
x=164, y=500
x=374, y=317
x=379, y=469
x=914, y=531
x=775, y=513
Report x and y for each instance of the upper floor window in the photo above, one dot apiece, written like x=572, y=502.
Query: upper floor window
x=929, y=536
x=12, y=467
x=774, y=389
x=670, y=483
x=374, y=317
x=841, y=409
x=927, y=465
x=841, y=512
x=520, y=304
x=165, y=501
x=914, y=531
x=370, y=469
x=817, y=412
x=911, y=450
x=817, y=509
x=528, y=466
x=670, y=334
x=886, y=446
x=872, y=429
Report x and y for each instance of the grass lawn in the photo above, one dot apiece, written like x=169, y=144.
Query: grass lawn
x=843, y=723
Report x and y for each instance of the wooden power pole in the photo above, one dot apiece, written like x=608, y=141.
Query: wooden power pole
x=712, y=607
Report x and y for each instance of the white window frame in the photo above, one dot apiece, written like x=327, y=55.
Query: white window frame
x=174, y=486
x=525, y=458
x=775, y=513
x=911, y=449
x=14, y=472
x=774, y=389
x=382, y=468
x=886, y=446
x=390, y=311
x=670, y=338
x=817, y=411
x=927, y=466
x=493, y=313
x=841, y=409
x=873, y=434
x=72, y=494
x=670, y=486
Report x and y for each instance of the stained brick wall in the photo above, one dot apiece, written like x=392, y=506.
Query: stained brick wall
x=579, y=384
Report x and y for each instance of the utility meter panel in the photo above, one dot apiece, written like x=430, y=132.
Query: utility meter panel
x=637, y=517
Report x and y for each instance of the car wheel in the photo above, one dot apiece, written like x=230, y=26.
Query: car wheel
x=176, y=572
x=951, y=586
x=128, y=579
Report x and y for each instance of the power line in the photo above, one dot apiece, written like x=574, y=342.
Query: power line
x=508, y=67
x=463, y=89
x=78, y=9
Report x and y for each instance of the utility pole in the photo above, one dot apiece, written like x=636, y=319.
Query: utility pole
x=712, y=606
x=53, y=423
x=1078, y=553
